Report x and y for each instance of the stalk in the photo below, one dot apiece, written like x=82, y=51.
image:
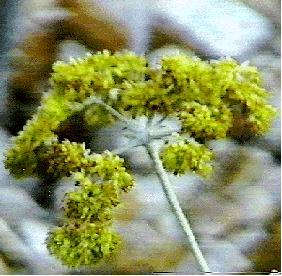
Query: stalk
x=175, y=206
x=94, y=100
x=167, y=187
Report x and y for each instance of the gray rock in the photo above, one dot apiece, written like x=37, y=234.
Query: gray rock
x=16, y=204
x=34, y=234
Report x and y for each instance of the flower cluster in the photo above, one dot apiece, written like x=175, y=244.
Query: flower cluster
x=184, y=155
x=84, y=245
x=207, y=98
x=202, y=121
x=86, y=237
x=61, y=159
x=22, y=159
x=220, y=91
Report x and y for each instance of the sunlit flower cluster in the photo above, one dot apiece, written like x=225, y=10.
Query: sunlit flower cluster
x=206, y=97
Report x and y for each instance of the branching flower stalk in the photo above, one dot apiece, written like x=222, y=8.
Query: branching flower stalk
x=206, y=100
x=145, y=137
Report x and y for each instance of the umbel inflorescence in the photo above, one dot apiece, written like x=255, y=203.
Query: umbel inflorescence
x=207, y=98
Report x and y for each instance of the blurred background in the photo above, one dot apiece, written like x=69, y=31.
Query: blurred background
x=235, y=214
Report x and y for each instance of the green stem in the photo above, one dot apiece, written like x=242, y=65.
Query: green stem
x=174, y=203
x=94, y=100
x=130, y=124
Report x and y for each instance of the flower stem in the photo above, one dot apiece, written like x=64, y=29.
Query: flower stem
x=95, y=100
x=174, y=203
x=130, y=146
x=168, y=190
x=130, y=124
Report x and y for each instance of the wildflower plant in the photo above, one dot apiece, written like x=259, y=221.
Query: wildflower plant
x=205, y=98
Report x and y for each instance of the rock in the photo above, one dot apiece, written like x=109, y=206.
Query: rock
x=16, y=204
x=34, y=234
x=247, y=240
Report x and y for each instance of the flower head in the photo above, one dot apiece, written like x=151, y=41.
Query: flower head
x=208, y=98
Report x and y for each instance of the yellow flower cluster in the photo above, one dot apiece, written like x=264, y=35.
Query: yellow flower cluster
x=207, y=97
x=82, y=246
x=22, y=158
x=220, y=90
x=202, y=121
x=184, y=156
x=86, y=236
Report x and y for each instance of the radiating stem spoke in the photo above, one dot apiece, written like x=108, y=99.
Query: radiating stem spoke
x=130, y=146
x=95, y=100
